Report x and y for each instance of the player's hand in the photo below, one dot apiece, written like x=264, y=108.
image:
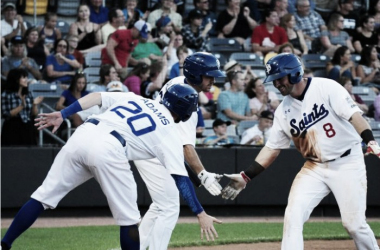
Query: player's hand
x=373, y=148
x=207, y=227
x=46, y=120
x=237, y=183
x=211, y=182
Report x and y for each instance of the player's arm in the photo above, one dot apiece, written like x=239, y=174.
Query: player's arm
x=364, y=130
x=187, y=192
x=238, y=182
x=209, y=180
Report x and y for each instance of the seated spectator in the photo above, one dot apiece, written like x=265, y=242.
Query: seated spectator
x=49, y=33
x=351, y=19
x=259, y=98
x=292, y=5
x=120, y=46
x=286, y=48
x=171, y=50
x=369, y=68
x=195, y=35
x=88, y=32
x=61, y=66
x=18, y=59
x=116, y=21
x=72, y=49
x=235, y=22
x=152, y=86
x=35, y=47
x=177, y=69
x=341, y=65
x=166, y=10
x=335, y=37
x=138, y=74
x=207, y=15
x=376, y=105
x=233, y=65
x=220, y=138
x=146, y=51
x=295, y=37
x=132, y=14
x=18, y=109
x=311, y=24
x=366, y=35
x=163, y=31
x=281, y=7
x=375, y=12
x=12, y=25
x=268, y=36
x=233, y=104
x=259, y=134
x=107, y=74
x=98, y=12
x=347, y=84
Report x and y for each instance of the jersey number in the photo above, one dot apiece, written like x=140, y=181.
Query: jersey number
x=330, y=132
x=137, y=111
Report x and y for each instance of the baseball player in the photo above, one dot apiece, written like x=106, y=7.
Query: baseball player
x=327, y=128
x=131, y=128
x=200, y=70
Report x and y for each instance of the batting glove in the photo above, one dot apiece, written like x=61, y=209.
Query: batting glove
x=237, y=183
x=211, y=182
x=373, y=148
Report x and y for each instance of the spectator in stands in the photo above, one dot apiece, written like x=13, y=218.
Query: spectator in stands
x=116, y=21
x=120, y=46
x=235, y=22
x=259, y=133
x=259, y=98
x=366, y=36
x=163, y=31
x=132, y=14
x=170, y=51
x=207, y=15
x=49, y=33
x=233, y=104
x=151, y=87
x=72, y=49
x=268, y=36
x=146, y=51
x=233, y=65
x=88, y=32
x=220, y=138
x=376, y=105
x=292, y=6
x=351, y=19
x=375, y=12
x=166, y=10
x=18, y=109
x=281, y=7
x=107, y=74
x=335, y=37
x=61, y=66
x=98, y=12
x=195, y=35
x=341, y=65
x=35, y=47
x=347, y=84
x=138, y=74
x=369, y=68
x=18, y=59
x=286, y=48
x=295, y=37
x=76, y=90
x=177, y=69
x=12, y=25
x=311, y=24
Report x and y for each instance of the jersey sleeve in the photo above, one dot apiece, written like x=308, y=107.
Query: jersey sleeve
x=188, y=130
x=278, y=139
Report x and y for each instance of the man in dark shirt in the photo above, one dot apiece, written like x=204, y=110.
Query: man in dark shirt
x=351, y=20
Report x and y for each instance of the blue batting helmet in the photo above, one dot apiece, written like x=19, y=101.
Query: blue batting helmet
x=181, y=99
x=201, y=64
x=282, y=65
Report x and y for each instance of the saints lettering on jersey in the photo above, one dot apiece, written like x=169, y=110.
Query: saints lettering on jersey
x=316, y=115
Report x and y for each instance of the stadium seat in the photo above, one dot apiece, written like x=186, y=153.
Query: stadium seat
x=315, y=61
x=92, y=74
x=247, y=58
x=222, y=59
x=366, y=93
x=224, y=46
x=50, y=92
x=67, y=7
x=93, y=59
x=64, y=27
x=320, y=73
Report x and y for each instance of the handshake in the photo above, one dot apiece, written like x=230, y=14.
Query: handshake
x=211, y=182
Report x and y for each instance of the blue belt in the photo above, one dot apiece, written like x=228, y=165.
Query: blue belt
x=113, y=132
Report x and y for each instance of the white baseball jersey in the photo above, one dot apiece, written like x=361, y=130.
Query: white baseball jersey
x=147, y=126
x=318, y=124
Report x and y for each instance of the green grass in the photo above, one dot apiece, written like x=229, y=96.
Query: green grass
x=107, y=237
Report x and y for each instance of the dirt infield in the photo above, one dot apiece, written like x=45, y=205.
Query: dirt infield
x=309, y=245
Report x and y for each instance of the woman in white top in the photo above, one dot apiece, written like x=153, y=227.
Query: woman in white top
x=260, y=99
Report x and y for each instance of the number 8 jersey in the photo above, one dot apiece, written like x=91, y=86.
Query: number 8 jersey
x=318, y=124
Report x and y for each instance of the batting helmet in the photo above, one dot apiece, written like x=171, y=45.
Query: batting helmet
x=181, y=99
x=201, y=64
x=282, y=65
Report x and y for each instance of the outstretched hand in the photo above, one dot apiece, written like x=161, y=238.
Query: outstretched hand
x=46, y=120
x=234, y=187
x=373, y=148
x=211, y=182
x=206, y=222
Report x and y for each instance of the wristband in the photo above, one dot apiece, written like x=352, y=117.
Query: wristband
x=245, y=177
x=367, y=136
x=72, y=109
x=253, y=170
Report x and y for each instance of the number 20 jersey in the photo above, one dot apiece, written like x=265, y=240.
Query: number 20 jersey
x=318, y=125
